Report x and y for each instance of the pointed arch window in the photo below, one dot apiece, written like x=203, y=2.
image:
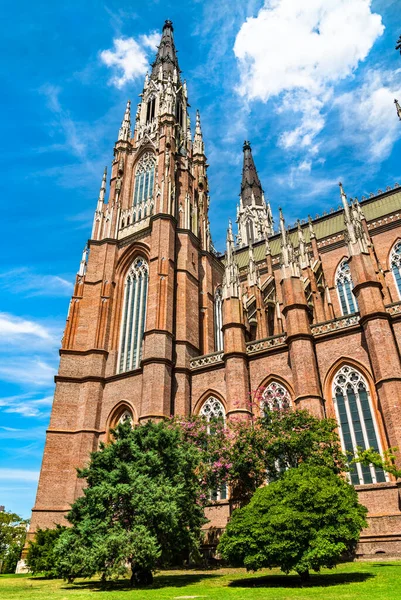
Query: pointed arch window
x=133, y=315
x=151, y=109
x=344, y=289
x=218, y=320
x=395, y=262
x=275, y=397
x=356, y=422
x=144, y=178
x=213, y=411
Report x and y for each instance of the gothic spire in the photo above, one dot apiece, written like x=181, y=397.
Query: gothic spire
x=102, y=192
x=311, y=230
x=124, y=133
x=251, y=189
x=289, y=264
x=166, y=62
x=398, y=109
x=231, y=283
x=303, y=255
x=253, y=272
x=83, y=263
x=254, y=216
x=354, y=235
x=198, y=146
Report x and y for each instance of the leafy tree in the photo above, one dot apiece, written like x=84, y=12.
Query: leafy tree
x=40, y=556
x=305, y=520
x=398, y=46
x=140, y=506
x=386, y=460
x=279, y=440
x=12, y=539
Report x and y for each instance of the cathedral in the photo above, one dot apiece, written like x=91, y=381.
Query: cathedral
x=161, y=324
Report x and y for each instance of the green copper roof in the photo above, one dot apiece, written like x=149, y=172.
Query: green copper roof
x=326, y=226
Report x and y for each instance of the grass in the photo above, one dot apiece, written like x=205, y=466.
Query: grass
x=350, y=581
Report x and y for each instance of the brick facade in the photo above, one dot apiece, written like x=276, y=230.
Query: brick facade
x=282, y=318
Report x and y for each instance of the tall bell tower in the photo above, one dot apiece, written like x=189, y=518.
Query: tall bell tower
x=142, y=305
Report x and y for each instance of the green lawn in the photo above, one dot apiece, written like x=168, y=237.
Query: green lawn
x=353, y=581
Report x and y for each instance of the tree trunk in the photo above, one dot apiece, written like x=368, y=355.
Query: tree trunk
x=141, y=577
x=304, y=575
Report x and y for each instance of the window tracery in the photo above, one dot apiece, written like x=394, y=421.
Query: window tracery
x=133, y=315
x=218, y=320
x=144, y=178
x=344, y=286
x=356, y=422
x=213, y=410
x=275, y=397
x=395, y=263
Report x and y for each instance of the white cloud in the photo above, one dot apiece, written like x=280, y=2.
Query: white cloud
x=27, y=353
x=23, y=371
x=368, y=116
x=23, y=279
x=151, y=41
x=12, y=327
x=73, y=138
x=27, y=405
x=18, y=475
x=129, y=58
x=300, y=51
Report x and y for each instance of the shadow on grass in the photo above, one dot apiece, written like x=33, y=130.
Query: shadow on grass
x=161, y=581
x=294, y=581
x=386, y=564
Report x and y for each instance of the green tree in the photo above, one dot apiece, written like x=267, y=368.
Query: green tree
x=12, y=539
x=277, y=441
x=40, y=556
x=140, y=506
x=305, y=520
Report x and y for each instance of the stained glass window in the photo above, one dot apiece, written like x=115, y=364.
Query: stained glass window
x=144, y=178
x=344, y=288
x=218, y=320
x=395, y=262
x=134, y=315
x=356, y=422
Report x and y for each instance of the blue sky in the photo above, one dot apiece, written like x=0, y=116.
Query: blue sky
x=310, y=83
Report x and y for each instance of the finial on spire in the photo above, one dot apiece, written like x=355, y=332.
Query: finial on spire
x=102, y=192
x=247, y=145
x=124, y=133
x=283, y=231
x=344, y=200
x=311, y=230
x=83, y=263
x=168, y=24
x=199, y=146
x=398, y=109
x=231, y=283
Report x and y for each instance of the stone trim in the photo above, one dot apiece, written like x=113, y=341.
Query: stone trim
x=268, y=343
x=394, y=308
x=207, y=359
x=335, y=324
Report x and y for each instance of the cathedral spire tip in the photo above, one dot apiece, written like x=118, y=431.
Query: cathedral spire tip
x=166, y=62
